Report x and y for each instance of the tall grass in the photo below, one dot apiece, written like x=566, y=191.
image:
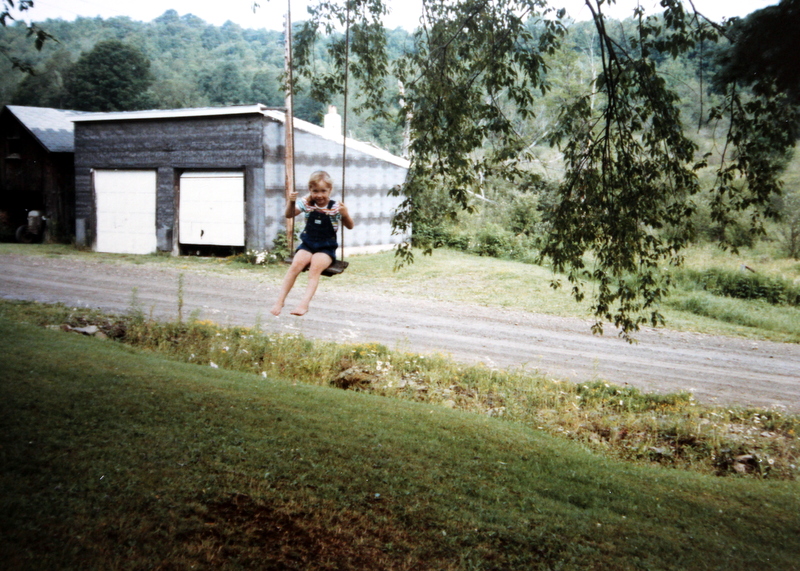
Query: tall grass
x=741, y=284
x=621, y=422
x=782, y=321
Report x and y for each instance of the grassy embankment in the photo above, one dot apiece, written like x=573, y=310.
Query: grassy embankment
x=115, y=457
x=620, y=422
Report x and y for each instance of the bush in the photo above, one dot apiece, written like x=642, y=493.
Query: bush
x=744, y=285
x=458, y=241
x=493, y=240
x=433, y=236
x=524, y=214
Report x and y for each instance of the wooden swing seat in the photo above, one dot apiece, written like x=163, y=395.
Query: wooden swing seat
x=336, y=268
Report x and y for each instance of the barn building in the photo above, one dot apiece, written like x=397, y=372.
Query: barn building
x=186, y=180
x=36, y=168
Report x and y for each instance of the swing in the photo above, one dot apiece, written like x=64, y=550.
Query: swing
x=337, y=266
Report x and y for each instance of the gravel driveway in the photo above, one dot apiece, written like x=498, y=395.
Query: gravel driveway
x=716, y=369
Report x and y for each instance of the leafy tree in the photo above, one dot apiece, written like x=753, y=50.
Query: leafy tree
x=175, y=91
x=212, y=37
x=790, y=230
x=45, y=88
x=473, y=78
x=482, y=87
x=765, y=50
x=266, y=89
x=113, y=76
x=224, y=84
x=309, y=109
x=172, y=32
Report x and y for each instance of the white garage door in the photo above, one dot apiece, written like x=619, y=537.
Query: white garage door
x=212, y=208
x=126, y=211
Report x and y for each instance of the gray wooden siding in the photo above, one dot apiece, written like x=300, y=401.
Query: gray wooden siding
x=185, y=143
x=171, y=146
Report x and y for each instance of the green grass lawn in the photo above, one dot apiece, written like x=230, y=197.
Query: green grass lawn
x=115, y=458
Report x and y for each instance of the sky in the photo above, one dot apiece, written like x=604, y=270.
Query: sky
x=270, y=13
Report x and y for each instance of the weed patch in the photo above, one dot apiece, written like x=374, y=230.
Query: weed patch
x=621, y=422
x=741, y=284
x=783, y=321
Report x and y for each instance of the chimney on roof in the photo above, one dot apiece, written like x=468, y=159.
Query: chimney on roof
x=333, y=121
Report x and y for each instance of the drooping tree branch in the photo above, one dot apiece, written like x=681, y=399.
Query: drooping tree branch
x=622, y=210
x=39, y=35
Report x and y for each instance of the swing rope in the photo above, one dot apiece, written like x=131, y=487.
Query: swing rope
x=289, y=124
x=344, y=111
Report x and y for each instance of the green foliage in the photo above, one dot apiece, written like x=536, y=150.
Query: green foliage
x=281, y=247
x=789, y=209
x=279, y=252
x=481, y=238
x=765, y=50
x=40, y=36
x=223, y=84
x=599, y=393
x=493, y=240
x=524, y=215
x=113, y=76
x=473, y=74
x=482, y=87
x=46, y=87
x=778, y=322
x=360, y=51
x=630, y=173
x=743, y=284
x=628, y=194
x=194, y=64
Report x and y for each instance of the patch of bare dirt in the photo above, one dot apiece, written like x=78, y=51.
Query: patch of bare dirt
x=240, y=531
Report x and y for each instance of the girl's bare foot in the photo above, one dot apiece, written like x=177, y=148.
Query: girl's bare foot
x=276, y=309
x=300, y=310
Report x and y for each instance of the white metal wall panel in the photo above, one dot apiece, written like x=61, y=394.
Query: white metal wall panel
x=212, y=208
x=126, y=211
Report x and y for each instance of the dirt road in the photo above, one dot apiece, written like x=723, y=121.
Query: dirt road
x=716, y=369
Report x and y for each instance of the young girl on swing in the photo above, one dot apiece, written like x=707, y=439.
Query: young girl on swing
x=317, y=249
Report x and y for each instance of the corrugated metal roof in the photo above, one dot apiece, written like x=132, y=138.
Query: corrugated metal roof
x=173, y=113
x=353, y=144
x=52, y=127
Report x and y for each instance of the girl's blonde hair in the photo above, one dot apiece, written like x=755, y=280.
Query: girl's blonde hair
x=320, y=177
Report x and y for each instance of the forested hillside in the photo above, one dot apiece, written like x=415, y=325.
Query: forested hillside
x=188, y=63
x=193, y=64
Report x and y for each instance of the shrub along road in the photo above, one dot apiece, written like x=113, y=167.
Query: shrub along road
x=716, y=369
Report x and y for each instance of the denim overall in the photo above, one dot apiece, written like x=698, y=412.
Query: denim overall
x=319, y=235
